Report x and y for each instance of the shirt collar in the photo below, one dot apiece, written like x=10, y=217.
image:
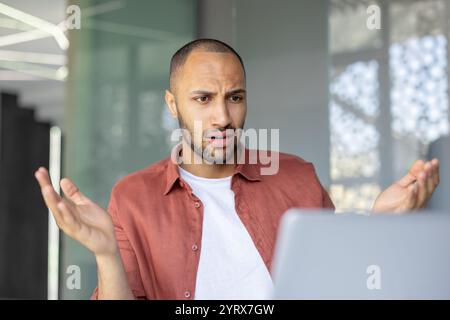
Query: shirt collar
x=247, y=170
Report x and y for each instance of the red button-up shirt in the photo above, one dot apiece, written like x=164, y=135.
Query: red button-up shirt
x=158, y=219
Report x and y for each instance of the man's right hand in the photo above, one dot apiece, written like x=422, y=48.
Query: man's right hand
x=78, y=216
x=88, y=223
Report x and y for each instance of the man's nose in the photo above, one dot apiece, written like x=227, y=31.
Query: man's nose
x=221, y=115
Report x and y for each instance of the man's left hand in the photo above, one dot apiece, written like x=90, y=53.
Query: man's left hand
x=412, y=191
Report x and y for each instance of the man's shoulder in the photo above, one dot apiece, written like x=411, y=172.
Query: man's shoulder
x=295, y=166
x=152, y=175
x=286, y=161
x=294, y=159
x=296, y=179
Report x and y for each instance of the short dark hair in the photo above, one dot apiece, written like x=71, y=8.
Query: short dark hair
x=208, y=45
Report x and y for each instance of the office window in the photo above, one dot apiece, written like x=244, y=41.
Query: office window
x=388, y=93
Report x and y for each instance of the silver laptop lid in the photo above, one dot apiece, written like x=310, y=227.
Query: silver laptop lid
x=322, y=255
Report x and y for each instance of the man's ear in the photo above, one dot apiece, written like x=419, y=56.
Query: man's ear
x=171, y=103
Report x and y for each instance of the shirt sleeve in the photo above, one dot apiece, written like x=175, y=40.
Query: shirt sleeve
x=327, y=203
x=326, y=200
x=127, y=254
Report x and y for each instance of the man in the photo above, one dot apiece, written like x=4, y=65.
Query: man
x=199, y=225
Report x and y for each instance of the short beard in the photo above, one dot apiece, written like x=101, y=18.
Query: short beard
x=205, y=153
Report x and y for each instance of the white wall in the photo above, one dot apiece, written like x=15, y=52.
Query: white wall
x=284, y=46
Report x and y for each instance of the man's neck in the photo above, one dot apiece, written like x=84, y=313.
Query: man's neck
x=201, y=169
x=211, y=171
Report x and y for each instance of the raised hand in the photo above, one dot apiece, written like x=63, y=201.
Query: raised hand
x=412, y=191
x=78, y=216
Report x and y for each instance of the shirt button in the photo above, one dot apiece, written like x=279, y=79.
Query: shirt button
x=187, y=294
x=194, y=247
x=197, y=204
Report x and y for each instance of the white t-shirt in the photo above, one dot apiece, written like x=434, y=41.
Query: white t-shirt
x=230, y=265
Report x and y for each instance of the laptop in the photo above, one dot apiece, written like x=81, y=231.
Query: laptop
x=322, y=255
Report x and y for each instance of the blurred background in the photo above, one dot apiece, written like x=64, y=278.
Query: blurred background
x=360, y=99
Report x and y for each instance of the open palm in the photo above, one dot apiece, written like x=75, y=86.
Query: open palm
x=78, y=216
x=412, y=191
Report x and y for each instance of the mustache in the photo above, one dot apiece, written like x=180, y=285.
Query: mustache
x=220, y=133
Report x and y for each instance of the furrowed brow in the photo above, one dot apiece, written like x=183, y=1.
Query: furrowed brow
x=204, y=92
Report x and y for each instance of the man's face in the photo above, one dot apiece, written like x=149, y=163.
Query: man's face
x=210, y=93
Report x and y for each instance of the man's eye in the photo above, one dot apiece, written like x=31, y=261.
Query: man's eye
x=236, y=98
x=202, y=99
